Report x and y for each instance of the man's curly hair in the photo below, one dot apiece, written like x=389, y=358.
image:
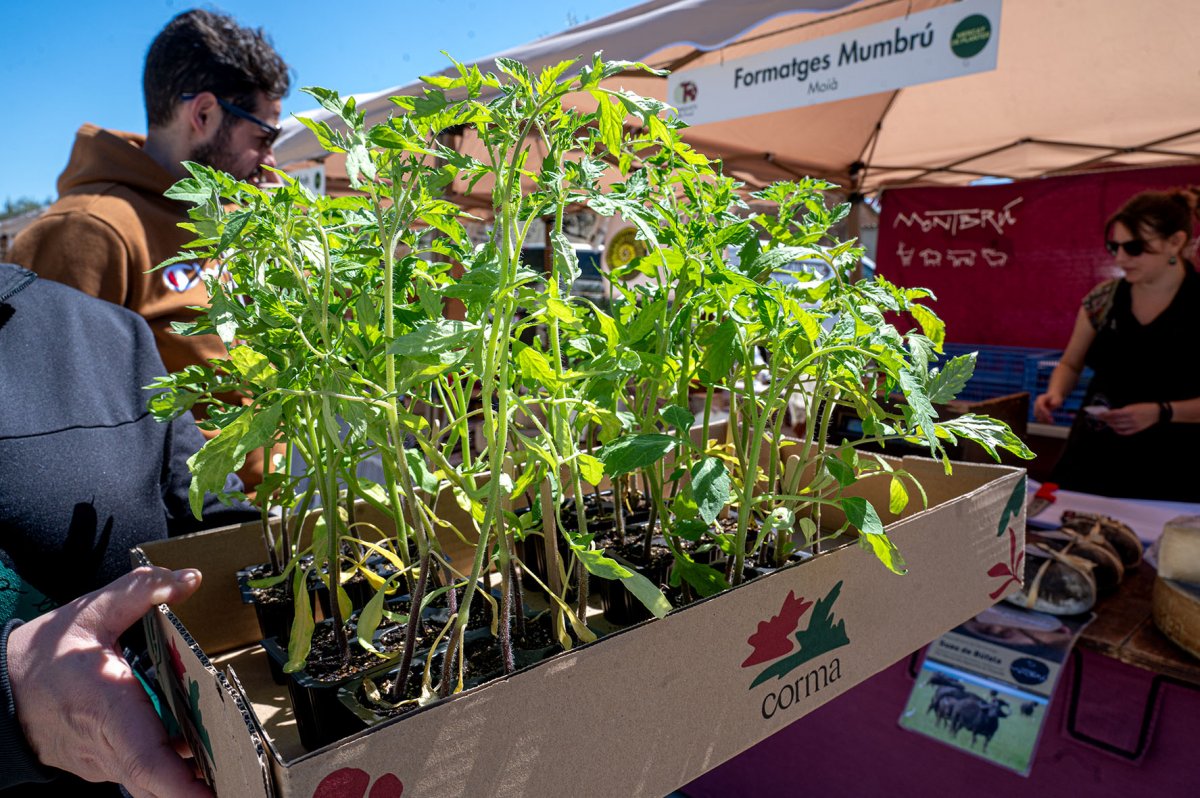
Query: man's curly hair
x=204, y=51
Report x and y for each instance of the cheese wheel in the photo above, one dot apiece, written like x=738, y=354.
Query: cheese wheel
x=1179, y=550
x=1176, y=609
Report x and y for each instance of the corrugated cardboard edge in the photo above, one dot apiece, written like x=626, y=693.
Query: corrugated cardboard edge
x=216, y=721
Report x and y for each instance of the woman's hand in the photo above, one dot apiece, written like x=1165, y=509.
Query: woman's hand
x=1131, y=419
x=1045, y=405
x=80, y=705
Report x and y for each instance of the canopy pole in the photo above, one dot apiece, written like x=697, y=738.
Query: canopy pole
x=858, y=172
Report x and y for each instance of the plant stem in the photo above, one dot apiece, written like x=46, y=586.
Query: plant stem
x=410, y=631
x=518, y=600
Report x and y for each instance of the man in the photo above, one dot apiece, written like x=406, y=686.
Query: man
x=212, y=91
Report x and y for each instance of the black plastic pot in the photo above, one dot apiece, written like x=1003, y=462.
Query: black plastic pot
x=351, y=697
x=320, y=718
x=274, y=616
x=620, y=606
x=532, y=552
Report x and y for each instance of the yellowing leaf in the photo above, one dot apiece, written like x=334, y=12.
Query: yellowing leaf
x=560, y=310
x=933, y=327
x=591, y=469
x=897, y=496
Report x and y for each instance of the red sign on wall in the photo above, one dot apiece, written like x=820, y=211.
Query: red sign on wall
x=1010, y=263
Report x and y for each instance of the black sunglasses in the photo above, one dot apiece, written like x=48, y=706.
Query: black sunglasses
x=1132, y=248
x=272, y=131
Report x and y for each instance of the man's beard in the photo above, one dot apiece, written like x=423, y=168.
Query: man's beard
x=215, y=153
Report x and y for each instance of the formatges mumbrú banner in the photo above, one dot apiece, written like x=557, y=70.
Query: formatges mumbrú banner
x=945, y=42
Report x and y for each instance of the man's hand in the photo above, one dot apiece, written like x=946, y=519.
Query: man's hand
x=79, y=703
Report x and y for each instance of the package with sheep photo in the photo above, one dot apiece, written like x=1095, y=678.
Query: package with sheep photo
x=985, y=687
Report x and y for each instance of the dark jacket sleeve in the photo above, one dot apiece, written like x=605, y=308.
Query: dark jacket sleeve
x=18, y=764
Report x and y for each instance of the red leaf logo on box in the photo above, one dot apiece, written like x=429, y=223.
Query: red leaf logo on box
x=774, y=637
x=177, y=666
x=1009, y=569
x=352, y=783
x=825, y=632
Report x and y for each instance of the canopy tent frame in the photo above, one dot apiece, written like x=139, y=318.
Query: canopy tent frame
x=1012, y=122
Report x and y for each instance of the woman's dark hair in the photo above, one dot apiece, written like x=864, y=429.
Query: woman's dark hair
x=1163, y=213
x=204, y=51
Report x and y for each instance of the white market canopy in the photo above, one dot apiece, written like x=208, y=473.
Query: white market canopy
x=1078, y=84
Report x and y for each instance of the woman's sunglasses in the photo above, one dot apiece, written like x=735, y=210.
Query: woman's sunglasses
x=1132, y=248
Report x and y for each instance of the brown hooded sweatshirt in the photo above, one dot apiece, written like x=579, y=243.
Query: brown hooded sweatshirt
x=110, y=226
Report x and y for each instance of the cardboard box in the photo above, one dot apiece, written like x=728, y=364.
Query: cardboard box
x=638, y=713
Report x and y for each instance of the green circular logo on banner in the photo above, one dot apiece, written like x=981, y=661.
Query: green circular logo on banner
x=971, y=36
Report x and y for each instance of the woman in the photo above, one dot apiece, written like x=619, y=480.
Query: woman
x=1138, y=435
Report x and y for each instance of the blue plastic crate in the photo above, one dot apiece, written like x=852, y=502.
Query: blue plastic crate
x=999, y=370
x=1037, y=380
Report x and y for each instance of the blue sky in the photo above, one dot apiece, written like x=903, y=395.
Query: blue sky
x=68, y=62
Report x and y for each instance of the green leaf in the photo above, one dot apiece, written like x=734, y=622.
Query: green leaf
x=517, y=70
x=192, y=190
x=600, y=565
x=710, y=487
x=535, y=366
x=862, y=516
x=944, y=385
x=678, y=417
x=608, y=328
x=560, y=310
x=252, y=366
x=433, y=337
x=300, y=638
x=706, y=580
x=323, y=132
x=642, y=588
x=566, y=262
x=841, y=471
x=717, y=360
x=612, y=121
x=234, y=224
x=591, y=469
x=989, y=433
x=223, y=315
x=359, y=166
x=424, y=478
x=649, y=317
x=549, y=75
x=757, y=263
x=809, y=324
x=808, y=528
x=646, y=592
x=922, y=411
x=635, y=451
x=220, y=456
x=476, y=287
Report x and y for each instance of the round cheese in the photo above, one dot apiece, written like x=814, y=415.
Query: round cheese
x=1179, y=549
x=1176, y=607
